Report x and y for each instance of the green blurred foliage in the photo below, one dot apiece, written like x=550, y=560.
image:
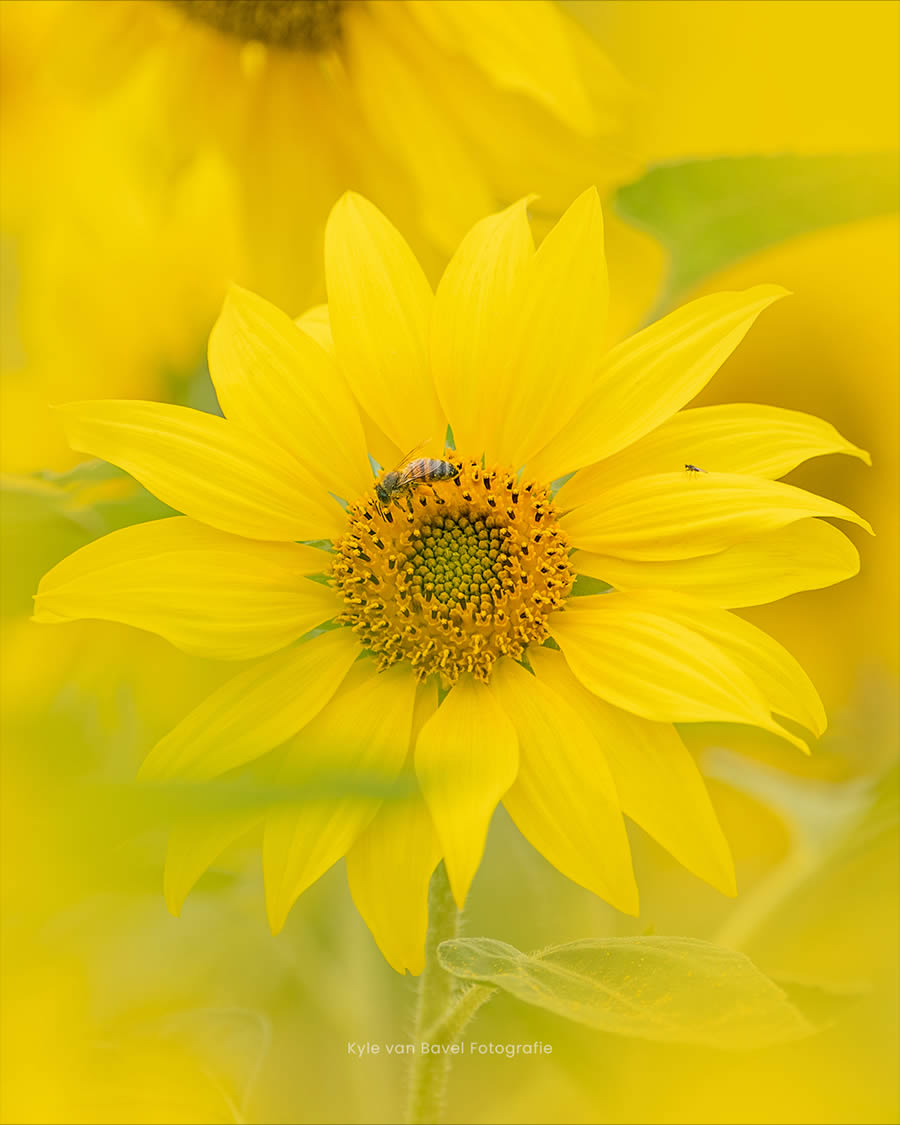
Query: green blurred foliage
x=45, y=517
x=709, y=214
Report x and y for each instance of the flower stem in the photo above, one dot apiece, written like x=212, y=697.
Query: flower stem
x=435, y=985
x=467, y=1003
x=441, y=1013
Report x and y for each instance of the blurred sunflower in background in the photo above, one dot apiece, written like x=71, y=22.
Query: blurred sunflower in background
x=196, y=143
x=436, y=666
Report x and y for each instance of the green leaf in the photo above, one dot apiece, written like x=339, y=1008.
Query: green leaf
x=668, y=989
x=584, y=586
x=47, y=516
x=104, y=497
x=711, y=213
x=36, y=534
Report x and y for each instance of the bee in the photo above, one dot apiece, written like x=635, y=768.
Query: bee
x=694, y=469
x=409, y=474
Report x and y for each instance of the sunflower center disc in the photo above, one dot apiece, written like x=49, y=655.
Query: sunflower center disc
x=470, y=576
x=310, y=25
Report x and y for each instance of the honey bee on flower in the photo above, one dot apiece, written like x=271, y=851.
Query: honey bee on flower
x=409, y=474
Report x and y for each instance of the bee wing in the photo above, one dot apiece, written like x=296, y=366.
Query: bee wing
x=407, y=457
x=415, y=471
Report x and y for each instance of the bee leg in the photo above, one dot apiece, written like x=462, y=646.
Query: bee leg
x=409, y=503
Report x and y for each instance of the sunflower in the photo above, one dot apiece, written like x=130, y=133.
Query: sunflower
x=444, y=638
x=437, y=109
x=204, y=137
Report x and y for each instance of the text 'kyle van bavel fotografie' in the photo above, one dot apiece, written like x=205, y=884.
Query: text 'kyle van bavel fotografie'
x=507, y=1050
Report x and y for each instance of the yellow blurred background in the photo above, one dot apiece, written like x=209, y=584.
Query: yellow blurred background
x=115, y=1011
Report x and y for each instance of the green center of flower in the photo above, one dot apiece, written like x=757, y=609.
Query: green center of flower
x=456, y=561
x=470, y=575
x=310, y=25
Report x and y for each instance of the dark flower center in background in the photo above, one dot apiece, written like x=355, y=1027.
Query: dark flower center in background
x=309, y=25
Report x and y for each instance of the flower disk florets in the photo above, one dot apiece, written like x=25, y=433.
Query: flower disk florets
x=470, y=575
x=310, y=25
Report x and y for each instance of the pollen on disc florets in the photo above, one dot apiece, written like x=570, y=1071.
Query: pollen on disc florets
x=469, y=576
x=310, y=25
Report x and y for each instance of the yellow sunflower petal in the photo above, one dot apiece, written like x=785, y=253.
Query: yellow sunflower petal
x=784, y=685
x=648, y=377
x=657, y=780
x=272, y=379
x=466, y=759
x=629, y=652
x=197, y=843
x=684, y=515
x=521, y=44
x=474, y=302
x=359, y=741
x=316, y=323
x=409, y=124
x=209, y=593
x=390, y=865
x=559, y=338
x=762, y=441
x=207, y=468
x=380, y=446
x=255, y=711
x=389, y=869
x=564, y=798
x=805, y=555
x=380, y=304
